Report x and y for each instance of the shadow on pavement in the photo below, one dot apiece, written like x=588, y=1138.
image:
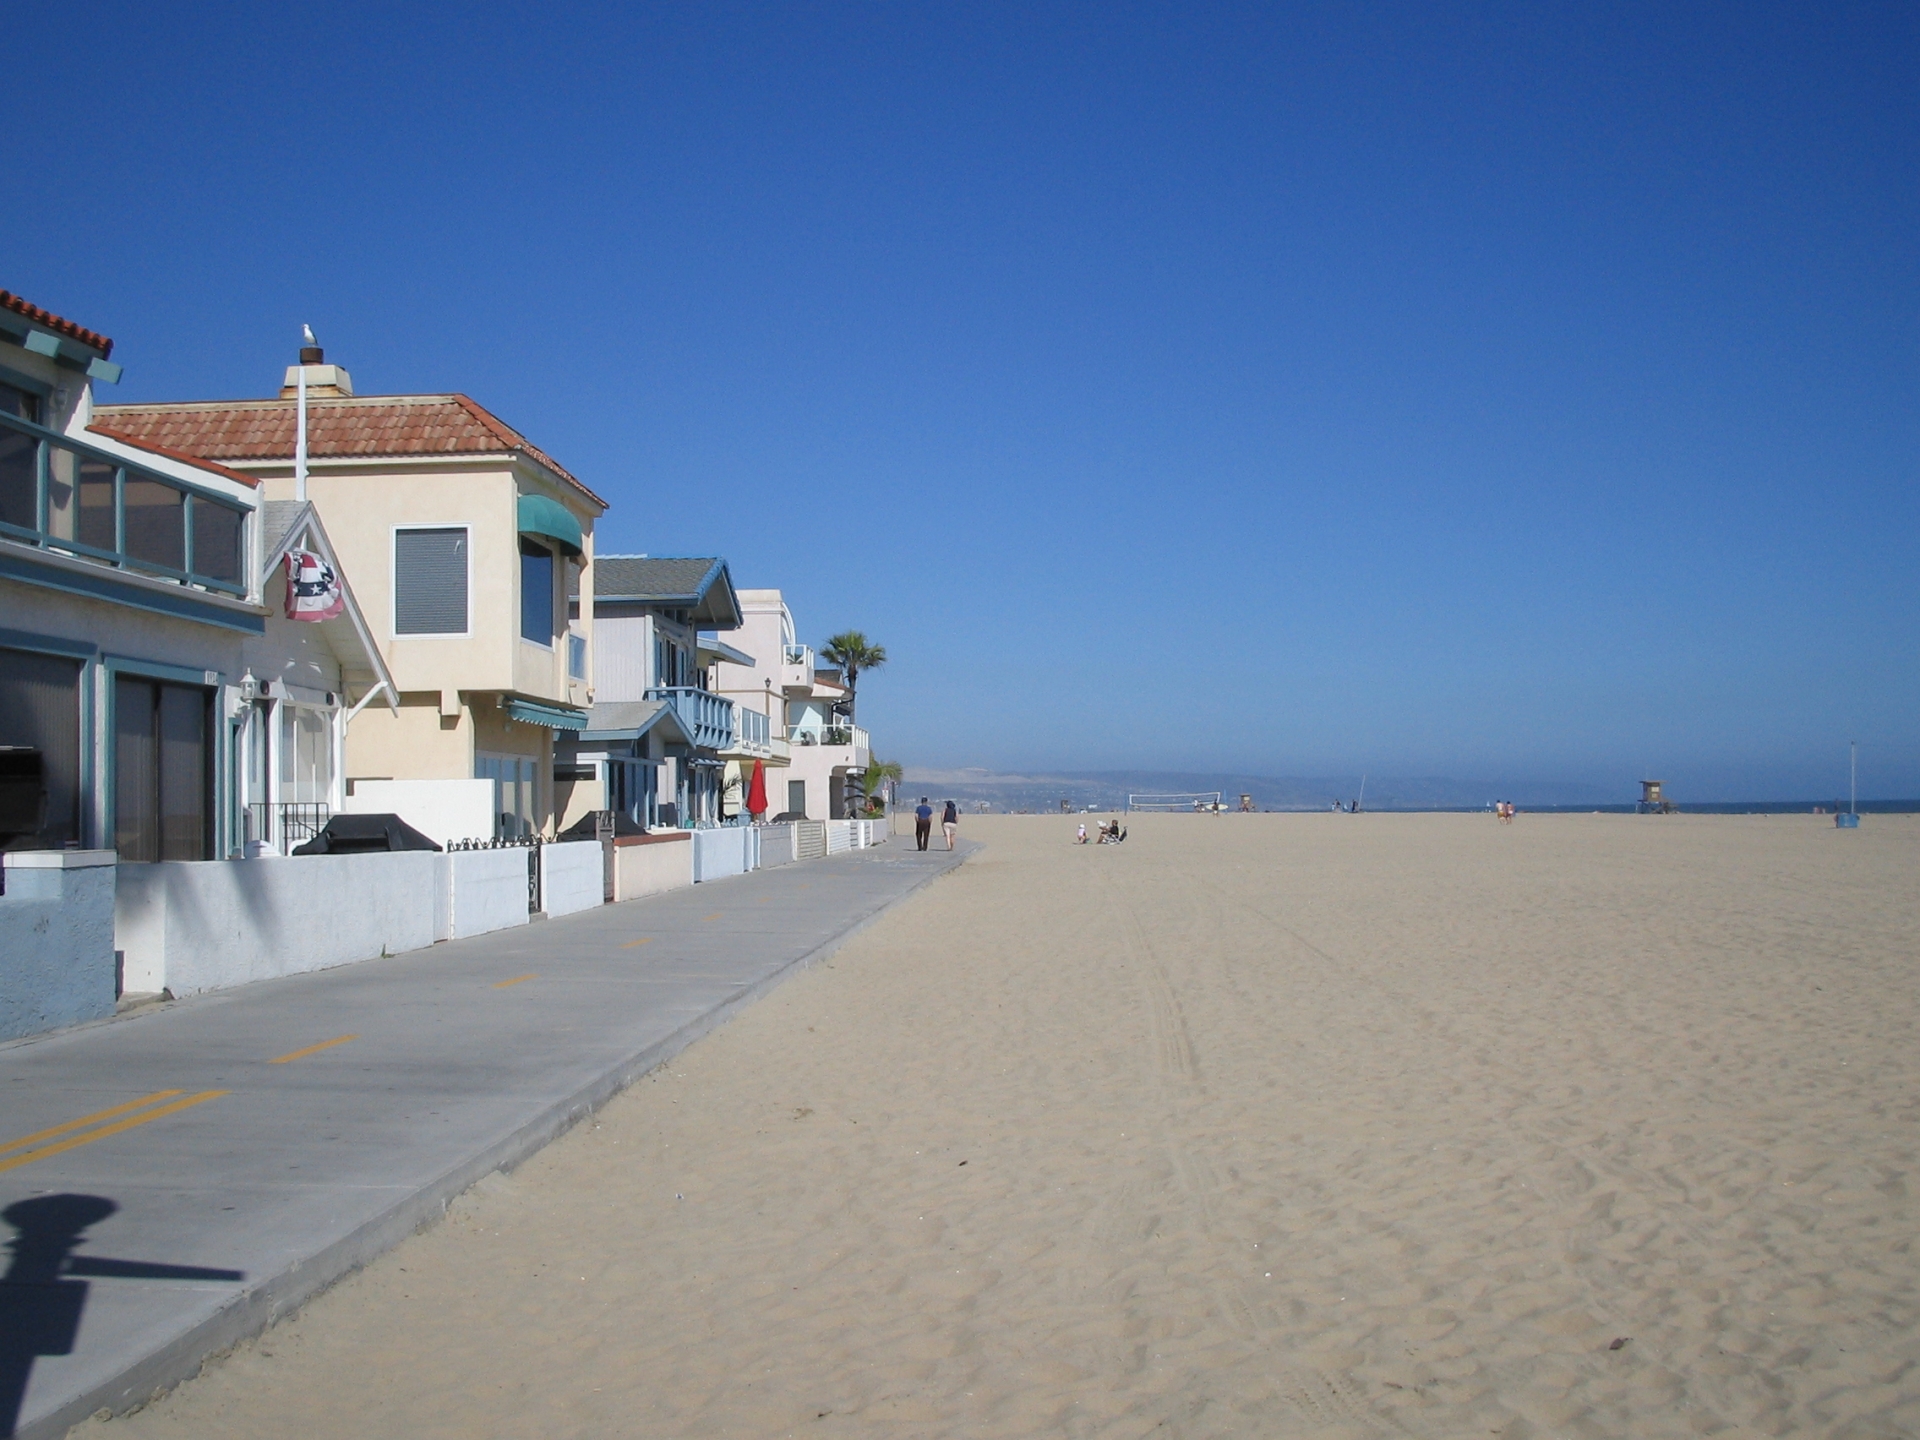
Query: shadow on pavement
x=40, y=1310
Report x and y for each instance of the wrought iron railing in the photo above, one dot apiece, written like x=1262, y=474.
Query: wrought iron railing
x=67, y=496
x=284, y=824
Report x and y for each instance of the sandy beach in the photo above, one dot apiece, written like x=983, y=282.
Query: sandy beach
x=1278, y=1125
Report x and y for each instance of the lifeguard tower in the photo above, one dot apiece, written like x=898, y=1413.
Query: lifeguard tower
x=1246, y=804
x=1652, y=800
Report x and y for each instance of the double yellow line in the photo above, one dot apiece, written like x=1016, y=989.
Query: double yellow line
x=111, y=1121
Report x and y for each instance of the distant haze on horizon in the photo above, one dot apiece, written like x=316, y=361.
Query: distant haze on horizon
x=1512, y=392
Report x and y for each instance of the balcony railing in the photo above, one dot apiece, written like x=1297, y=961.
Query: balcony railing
x=69, y=497
x=820, y=734
x=753, y=739
x=706, y=717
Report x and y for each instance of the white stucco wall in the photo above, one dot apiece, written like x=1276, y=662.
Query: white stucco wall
x=207, y=925
x=730, y=851
x=571, y=877
x=488, y=890
x=56, y=940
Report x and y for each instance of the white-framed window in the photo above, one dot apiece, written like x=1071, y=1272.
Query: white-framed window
x=431, y=578
x=306, y=755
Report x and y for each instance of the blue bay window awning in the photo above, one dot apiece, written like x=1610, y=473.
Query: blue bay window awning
x=550, y=520
x=554, y=717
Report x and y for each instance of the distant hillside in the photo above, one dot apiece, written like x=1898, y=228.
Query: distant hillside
x=1108, y=789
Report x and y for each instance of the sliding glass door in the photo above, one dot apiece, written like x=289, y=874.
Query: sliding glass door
x=162, y=770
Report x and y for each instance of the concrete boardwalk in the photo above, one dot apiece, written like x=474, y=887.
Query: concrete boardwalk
x=295, y=1128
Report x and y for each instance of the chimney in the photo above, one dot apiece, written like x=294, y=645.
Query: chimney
x=323, y=381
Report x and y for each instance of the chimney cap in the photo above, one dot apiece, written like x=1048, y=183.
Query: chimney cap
x=312, y=355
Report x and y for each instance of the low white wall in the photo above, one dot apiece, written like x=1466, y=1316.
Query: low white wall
x=571, y=876
x=733, y=850
x=56, y=940
x=645, y=866
x=776, y=845
x=188, y=926
x=839, y=836
x=441, y=810
x=487, y=891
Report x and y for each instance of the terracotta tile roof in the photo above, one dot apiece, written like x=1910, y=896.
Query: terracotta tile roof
x=197, y=461
x=47, y=320
x=365, y=425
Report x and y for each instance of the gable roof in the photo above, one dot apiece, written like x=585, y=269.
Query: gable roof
x=340, y=428
x=699, y=584
x=287, y=523
x=47, y=320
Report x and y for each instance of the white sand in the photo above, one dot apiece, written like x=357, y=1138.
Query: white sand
x=1270, y=1126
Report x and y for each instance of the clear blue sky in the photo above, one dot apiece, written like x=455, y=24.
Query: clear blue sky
x=1496, y=392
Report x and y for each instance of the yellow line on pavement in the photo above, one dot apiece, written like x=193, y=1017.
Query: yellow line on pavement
x=643, y=940
x=312, y=1049
x=714, y=916
x=74, y=1142
x=85, y=1120
x=516, y=980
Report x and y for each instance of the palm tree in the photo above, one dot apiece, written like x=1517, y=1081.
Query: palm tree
x=878, y=773
x=851, y=652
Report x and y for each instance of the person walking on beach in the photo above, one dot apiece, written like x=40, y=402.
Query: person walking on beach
x=950, y=822
x=922, y=823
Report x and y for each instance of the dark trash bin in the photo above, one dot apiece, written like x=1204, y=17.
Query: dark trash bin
x=365, y=835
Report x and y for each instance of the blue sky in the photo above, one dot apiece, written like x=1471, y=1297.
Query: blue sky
x=1497, y=392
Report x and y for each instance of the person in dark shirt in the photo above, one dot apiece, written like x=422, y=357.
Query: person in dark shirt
x=950, y=822
x=922, y=823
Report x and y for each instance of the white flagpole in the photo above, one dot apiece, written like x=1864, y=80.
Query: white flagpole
x=300, y=437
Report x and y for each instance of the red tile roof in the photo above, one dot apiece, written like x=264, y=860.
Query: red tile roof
x=199, y=462
x=47, y=320
x=368, y=425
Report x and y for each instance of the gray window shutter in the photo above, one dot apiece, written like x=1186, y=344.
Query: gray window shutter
x=430, y=582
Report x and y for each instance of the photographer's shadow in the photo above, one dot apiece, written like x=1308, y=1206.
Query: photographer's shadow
x=39, y=1306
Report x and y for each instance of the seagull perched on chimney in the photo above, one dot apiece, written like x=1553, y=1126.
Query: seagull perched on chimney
x=307, y=332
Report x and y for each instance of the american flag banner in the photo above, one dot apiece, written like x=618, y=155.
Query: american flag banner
x=313, y=590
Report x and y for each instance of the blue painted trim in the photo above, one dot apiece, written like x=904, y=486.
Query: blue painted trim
x=551, y=716
x=162, y=670
x=21, y=381
x=109, y=587
x=48, y=644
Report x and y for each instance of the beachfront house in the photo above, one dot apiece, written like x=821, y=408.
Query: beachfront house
x=826, y=754
x=658, y=740
x=464, y=540
x=149, y=658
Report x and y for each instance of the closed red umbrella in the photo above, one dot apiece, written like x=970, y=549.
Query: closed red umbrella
x=757, y=789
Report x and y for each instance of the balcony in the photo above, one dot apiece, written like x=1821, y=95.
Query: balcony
x=65, y=496
x=754, y=738
x=706, y=717
x=796, y=667
x=816, y=733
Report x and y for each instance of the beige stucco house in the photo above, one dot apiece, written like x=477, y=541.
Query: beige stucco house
x=464, y=541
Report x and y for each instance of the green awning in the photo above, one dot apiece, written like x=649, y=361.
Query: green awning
x=528, y=712
x=549, y=518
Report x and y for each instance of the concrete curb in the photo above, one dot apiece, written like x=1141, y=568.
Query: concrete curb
x=280, y=1295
